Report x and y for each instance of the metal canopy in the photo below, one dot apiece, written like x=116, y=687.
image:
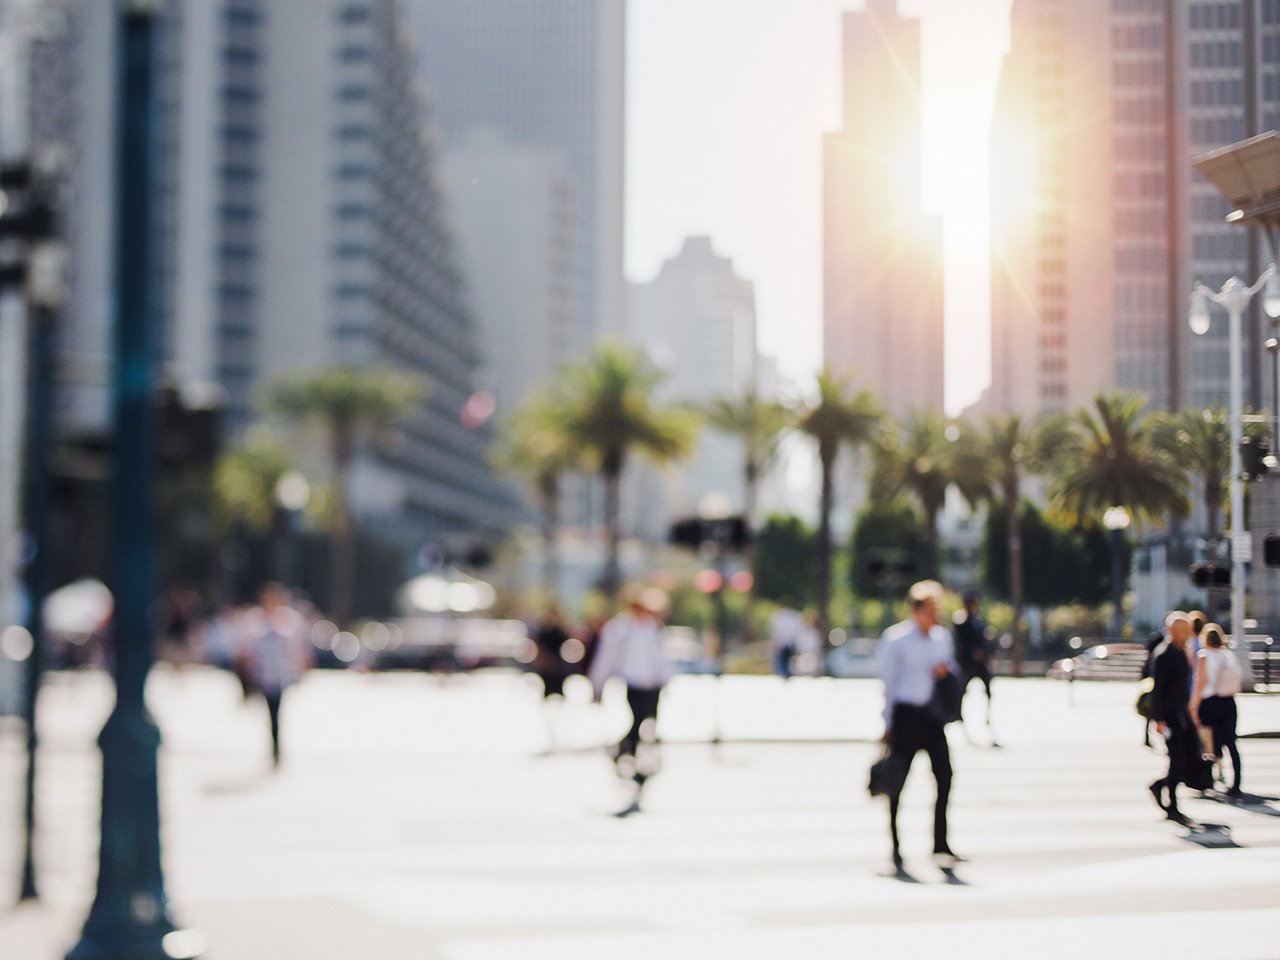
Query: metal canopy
x=1248, y=174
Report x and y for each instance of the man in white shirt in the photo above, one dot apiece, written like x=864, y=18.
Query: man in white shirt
x=911, y=657
x=631, y=648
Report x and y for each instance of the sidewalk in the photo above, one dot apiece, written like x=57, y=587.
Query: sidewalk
x=417, y=818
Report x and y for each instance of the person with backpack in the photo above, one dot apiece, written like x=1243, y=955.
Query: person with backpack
x=1213, y=702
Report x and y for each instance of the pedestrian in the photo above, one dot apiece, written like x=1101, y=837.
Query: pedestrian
x=1170, y=697
x=1213, y=701
x=912, y=657
x=973, y=652
x=277, y=653
x=549, y=637
x=785, y=627
x=630, y=647
x=1153, y=641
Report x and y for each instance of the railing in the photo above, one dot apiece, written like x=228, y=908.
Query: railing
x=1264, y=659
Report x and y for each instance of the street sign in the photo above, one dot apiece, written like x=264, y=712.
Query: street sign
x=1242, y=547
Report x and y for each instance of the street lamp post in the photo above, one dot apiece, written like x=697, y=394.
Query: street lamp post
x=129, y=918
x=1234, y=297
x=1116, y=520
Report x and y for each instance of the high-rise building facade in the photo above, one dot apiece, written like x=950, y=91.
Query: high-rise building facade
x=547, y=74
x=513, y=206
x=1182, y=78
x=882, y=256
x=302, y=228
x=696, y=321
x=1051, y=198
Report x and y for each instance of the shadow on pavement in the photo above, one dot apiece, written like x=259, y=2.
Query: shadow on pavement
x=1211, y=835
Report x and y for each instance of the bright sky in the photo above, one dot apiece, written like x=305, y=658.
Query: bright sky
x=727, y=102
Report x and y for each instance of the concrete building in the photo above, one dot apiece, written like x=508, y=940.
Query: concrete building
x=696, y=320
x=546, y=75
x=303, y=227
x=882, y=257
x=1051, y=283
x=513, y=205
x=1111, y=164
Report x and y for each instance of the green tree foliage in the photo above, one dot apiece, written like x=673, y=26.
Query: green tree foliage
x=991, y=464
x=888, y=550
x=610, y=413
x=760, y=425
x=786, y=561
x=916, y=457
x=1062, y=564
x=840, y=415
x=350, y=405
x=535, y=444
x=1113, y=460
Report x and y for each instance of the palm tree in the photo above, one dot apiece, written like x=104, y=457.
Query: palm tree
x=1200, y=440
x=991, y=463
x=535, y=444
x=349, y=404
x=838, y=416
x=609, y=413
x=919, y=459
x=1113, y=461
x=760, y=424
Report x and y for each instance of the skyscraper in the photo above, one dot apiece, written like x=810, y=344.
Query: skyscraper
x=1178, y=79
x=547, y=74
x=882, y=257
x=302, y=228
x=696, y=320
x=1051, y=296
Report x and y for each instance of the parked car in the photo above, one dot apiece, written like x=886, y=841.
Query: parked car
x=1105, y=661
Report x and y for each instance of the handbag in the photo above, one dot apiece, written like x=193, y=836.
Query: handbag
x=944, y=702
x=1144, y=704
x=887, y=776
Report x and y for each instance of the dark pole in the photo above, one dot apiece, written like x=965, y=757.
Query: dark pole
x=1117, y=587
x=38, y=568
x=129, y=919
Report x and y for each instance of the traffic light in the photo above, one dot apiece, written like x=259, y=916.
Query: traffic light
x=727, y=533
x=1271, y=549
x=1210, y=575
x=26, y=217
x=1254, y=458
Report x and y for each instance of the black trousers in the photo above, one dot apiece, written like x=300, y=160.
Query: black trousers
x=1183, y=741
x=273, y=717
x=913, y=730
x=1219, y=715
x=643, y=702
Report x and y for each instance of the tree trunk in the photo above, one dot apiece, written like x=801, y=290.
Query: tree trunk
x=550, y=491
x=1212, y=511
x=931, y=565
x=827, y=458
x=1016, y=650
x=611, y=579
x=342, y=561
x=749, y=557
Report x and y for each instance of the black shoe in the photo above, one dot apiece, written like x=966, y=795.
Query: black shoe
x=1157, y=790
x=1235, y=793
x=1178, y=817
